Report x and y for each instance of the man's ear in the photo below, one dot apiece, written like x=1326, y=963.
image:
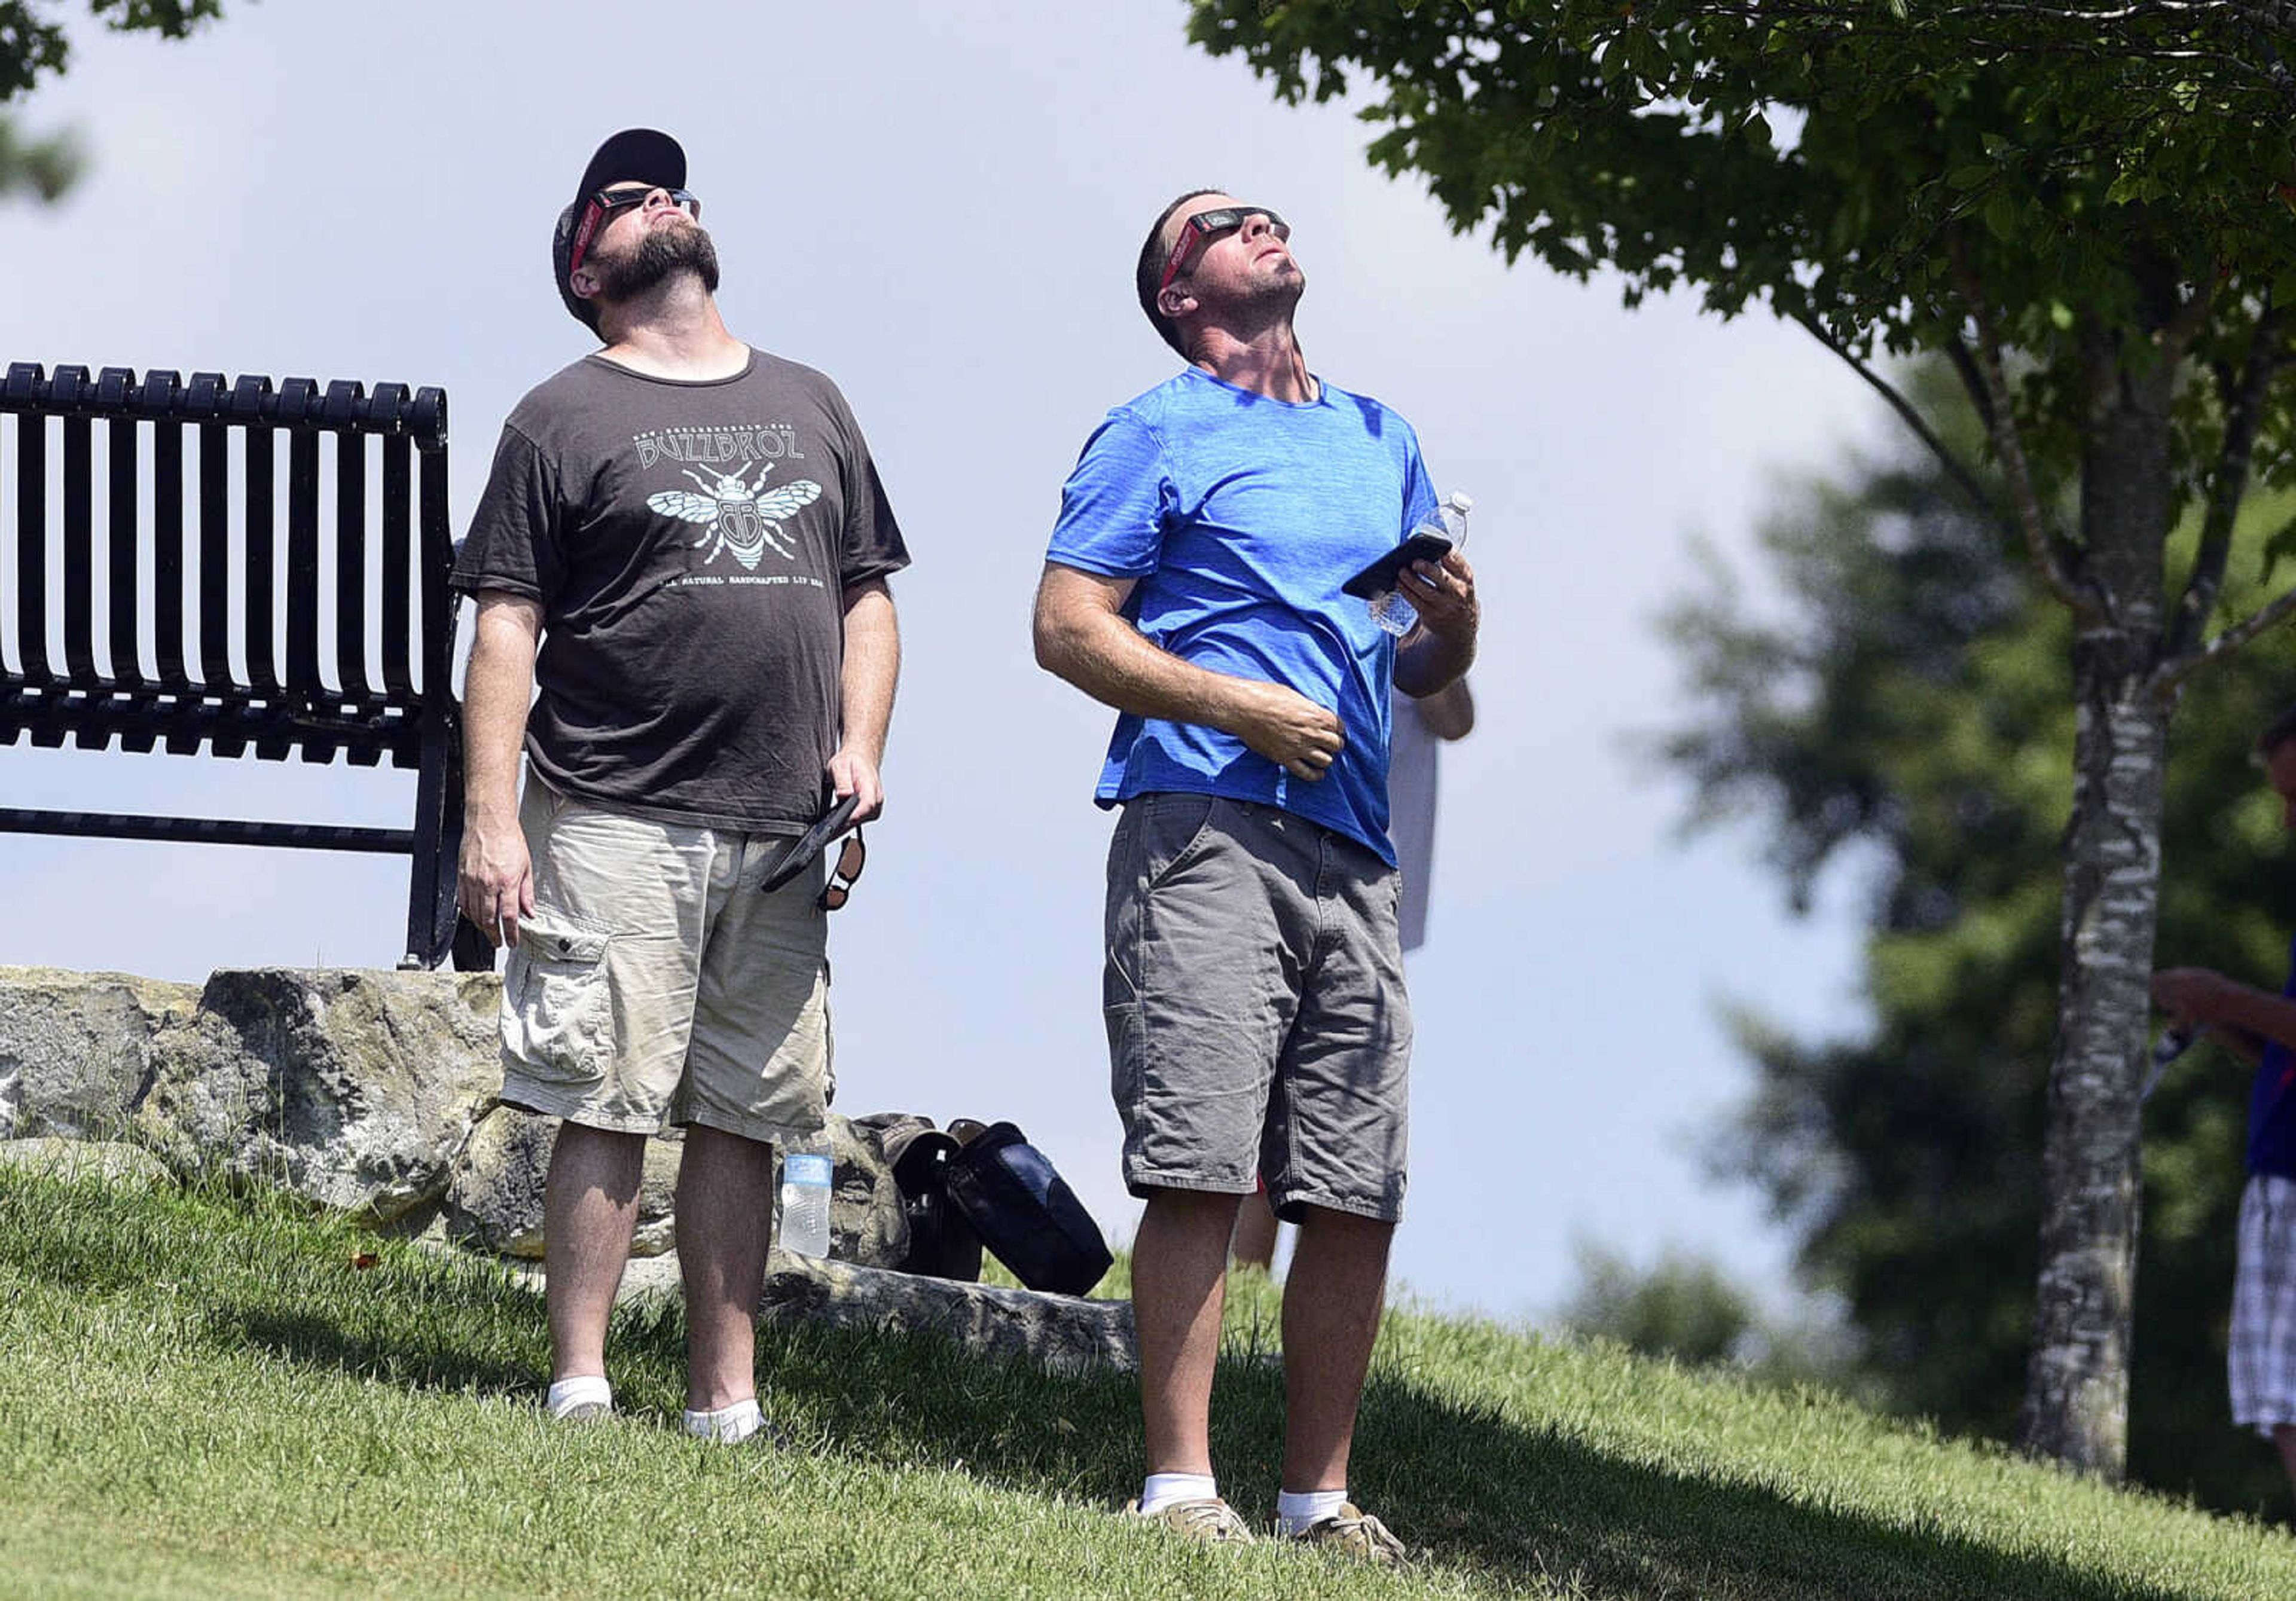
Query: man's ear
x=584, y=282
x=1174, y=302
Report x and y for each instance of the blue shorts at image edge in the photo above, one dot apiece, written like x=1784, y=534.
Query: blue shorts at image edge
x=2272, y=1101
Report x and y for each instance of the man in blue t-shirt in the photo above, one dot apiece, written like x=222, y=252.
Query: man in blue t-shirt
x=2260, y=1027
x=1253, y=989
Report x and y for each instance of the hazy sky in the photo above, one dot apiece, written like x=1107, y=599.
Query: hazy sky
x=939, y=205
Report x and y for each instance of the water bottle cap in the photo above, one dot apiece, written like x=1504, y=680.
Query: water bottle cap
x=1461, y=501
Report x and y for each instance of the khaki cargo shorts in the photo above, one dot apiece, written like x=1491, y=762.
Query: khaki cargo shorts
x=655, y=984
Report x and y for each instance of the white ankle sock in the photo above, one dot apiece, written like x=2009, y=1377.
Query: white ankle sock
x=1297, y=1510
x=1162, y=1489
x=581, y=1390
x=728, y=1426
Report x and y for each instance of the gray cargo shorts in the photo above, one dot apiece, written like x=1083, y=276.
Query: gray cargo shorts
x=1256, y=1020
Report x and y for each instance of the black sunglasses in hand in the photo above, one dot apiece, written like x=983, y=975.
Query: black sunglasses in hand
x=801, y=850
x=845, y=875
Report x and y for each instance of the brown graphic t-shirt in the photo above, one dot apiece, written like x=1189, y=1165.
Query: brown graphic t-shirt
x=691, y=544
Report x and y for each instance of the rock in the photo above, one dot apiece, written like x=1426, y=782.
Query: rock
x=371, y=1093
x=1061, y=1333
x=494, y=1200
x=374, y=1093
x=76, y=1048
x=355, y=1089
x=108, y=1160
x=866, y=1222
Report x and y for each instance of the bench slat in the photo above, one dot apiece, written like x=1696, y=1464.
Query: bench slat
x=397, y=563
x=32, y=548
x=167, y=534
x=366, y=731
x=437, y=562
x=302, y=544
x=260, y=500
x=123, y=608
x=350, y=547
x=79, y=552
x=214, y=533
x=209, y=831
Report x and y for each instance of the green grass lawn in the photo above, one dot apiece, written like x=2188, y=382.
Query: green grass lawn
x=205, y=1396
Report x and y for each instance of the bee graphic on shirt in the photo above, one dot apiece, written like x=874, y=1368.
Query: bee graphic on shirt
x=742, y=516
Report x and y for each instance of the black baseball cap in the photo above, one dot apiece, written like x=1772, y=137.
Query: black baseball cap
x=644, y=154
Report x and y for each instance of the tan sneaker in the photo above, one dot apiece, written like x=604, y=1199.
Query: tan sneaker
x=1209, y=1521
x=1357, y=1532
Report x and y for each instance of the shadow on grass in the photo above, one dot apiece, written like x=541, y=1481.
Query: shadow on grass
x=262, y=1274
x=1512, y=1504
x=1464, y=1484
x=1494, y=1495
x=318, y=1341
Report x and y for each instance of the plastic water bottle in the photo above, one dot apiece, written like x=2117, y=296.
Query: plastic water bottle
x=1389, y=609
x=2174, y=1042
x=1392, y=612
x=807, y=1167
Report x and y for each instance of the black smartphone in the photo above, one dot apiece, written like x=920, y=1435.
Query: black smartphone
x=1381, y=574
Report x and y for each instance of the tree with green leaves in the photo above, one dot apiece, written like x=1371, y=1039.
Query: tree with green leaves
x=1904, y=715
x=33, y=45
x=2084, y=209
x=1683, y=1309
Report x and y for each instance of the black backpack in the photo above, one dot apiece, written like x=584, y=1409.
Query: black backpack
x=1023, y=1210
x=941, y=1245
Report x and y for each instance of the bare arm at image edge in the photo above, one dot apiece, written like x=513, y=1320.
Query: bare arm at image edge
x=2241, y=1018
x=497, y=880
x=1083, y=636
x=871, y=674
x=1449, y=713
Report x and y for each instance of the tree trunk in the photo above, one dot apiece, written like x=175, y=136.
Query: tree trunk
x=2075, y=1406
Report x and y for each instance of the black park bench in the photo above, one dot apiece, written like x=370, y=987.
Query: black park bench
x=311, y=622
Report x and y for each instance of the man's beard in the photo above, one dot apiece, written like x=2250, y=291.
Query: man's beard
x=1282, y=293
x=1273, y=296
x=662, y=252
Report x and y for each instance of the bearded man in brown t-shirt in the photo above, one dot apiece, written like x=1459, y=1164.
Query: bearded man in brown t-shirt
x=680, y=562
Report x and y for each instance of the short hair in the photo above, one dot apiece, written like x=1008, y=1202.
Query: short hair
x=1150, y=269
x=2276, y=733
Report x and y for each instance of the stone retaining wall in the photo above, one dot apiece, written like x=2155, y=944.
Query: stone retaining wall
x=372, y=1094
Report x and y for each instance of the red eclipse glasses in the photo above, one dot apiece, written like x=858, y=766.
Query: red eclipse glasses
x=1199, y=230
x=603, y=204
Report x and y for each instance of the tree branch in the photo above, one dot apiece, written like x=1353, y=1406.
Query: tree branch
x=2243, y=415
x=1956, y=469
x=2043, y=544
x=1965, y=366
x=2169, y=674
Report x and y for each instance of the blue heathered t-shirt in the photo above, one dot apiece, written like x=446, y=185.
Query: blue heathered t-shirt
x=2272, y=1103
x=1240, y=517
